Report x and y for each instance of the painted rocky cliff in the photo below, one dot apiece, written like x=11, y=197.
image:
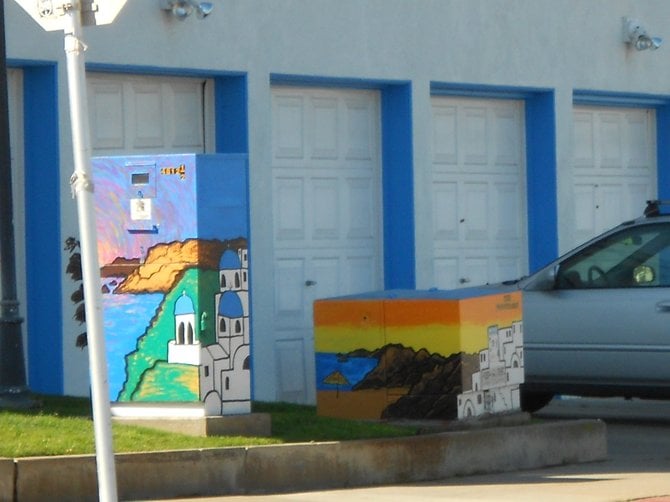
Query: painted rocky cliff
x=166, y=263
x=432, y=381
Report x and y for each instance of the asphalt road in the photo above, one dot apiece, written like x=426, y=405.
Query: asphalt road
x=637, y=468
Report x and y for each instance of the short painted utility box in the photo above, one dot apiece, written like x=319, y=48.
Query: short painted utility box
x=419, y=354
x=173, y=254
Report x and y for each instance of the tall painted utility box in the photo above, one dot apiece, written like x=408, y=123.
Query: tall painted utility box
x=419, y=354
x=174, y=260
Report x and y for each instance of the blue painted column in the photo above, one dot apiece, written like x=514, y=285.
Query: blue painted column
x=43, y=230
x=541, y=179
x=231, y=115
x=398, y=187
x=663, y=151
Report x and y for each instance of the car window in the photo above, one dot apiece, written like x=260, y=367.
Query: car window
x=634, y=257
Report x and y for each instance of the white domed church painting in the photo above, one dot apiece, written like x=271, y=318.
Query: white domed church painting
x=185, y=348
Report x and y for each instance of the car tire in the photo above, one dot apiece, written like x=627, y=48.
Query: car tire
x=534, y=401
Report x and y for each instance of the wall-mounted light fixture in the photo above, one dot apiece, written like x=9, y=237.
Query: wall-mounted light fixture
x=181, y=9
x=635, y=35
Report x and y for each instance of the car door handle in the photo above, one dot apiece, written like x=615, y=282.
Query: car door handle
x=663, y=306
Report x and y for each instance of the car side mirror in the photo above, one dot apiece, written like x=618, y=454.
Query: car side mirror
x=545, y=280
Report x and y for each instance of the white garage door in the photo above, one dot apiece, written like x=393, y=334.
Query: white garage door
x=326, y=191
x=614, y=167
x=132, y=114
x=478, y=191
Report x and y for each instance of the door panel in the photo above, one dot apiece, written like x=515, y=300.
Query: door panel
x=131, y=114
x=289, y=209
x=325, y=276
x=360, y=207
x=290, y=277
x=107, y=116
x=361, y=274
x=361, y=133
x=477, y=269
x=507, y=265
x=445, y=206
x=445, y=151
x=327, y=218
x=446, y=270
x=475, y=221
x=472, y=138
x=505, y=199
x=478, y=191
x=614, y=167
x=326, y=200
x=291, y=368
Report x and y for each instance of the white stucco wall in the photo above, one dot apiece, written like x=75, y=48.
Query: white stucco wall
x=555, y=45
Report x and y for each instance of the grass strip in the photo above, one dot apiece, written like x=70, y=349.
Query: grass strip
x=63, y=426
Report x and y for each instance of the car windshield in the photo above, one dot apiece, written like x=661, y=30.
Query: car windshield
x=634, y=257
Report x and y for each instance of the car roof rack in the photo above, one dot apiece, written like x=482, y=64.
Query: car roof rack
x=654, y=207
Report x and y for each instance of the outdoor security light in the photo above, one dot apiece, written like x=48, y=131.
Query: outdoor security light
x=181, y=9
x=635, y=35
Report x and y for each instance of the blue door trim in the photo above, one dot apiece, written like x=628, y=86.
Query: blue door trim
x=541, y=184
x=663, y=150
x=231, y=115
x=43, y=230
x=398, y=187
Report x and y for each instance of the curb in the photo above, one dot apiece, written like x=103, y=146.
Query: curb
x=250, y=424
x=7, y=467
x=308, y=466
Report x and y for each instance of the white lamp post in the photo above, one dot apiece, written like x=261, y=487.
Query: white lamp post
x=69, y=16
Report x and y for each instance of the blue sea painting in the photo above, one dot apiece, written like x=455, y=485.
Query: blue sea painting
x=126, y=319
x=353, y=369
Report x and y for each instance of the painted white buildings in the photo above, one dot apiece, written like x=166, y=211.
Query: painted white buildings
x=495, y=387
x=224, y=366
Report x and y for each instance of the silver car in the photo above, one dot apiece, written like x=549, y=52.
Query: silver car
x=597, y=320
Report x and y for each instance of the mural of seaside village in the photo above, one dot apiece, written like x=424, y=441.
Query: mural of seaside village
x=419, y=354
x=174, y=264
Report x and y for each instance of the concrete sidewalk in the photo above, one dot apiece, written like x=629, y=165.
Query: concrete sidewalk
x=593, y=482
x=310, y=466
